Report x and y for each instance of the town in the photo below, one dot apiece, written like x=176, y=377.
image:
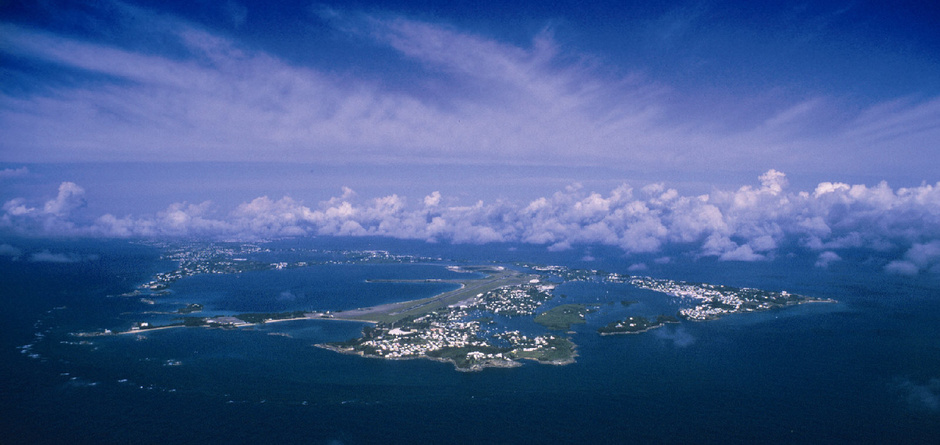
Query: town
x=712, y=301
x=450, y=334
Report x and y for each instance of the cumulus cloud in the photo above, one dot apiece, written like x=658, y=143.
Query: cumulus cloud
x=48, y=257
x=70, y=197
x=14, y=172
x=637, y=267
x=741, y=253
x=433, y=199
x=901, y=267
x=751, y=223
x=827, y=258
x=920, y=257
x=52, y=217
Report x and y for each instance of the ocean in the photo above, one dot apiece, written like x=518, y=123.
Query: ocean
x=863, y=370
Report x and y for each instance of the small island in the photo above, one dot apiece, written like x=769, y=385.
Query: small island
x=190, y=308
x=560, y=318
x=713, y=301
x=635, y=325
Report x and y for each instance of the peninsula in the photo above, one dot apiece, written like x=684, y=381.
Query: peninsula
x=441, y=327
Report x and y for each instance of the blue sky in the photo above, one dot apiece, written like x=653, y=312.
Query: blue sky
x=711, y=98
x=819, y=87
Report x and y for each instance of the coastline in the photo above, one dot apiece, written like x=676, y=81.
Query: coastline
x=476, y=367
x=635, y=332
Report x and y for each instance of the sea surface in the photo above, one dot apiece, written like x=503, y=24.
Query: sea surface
x=863, y=370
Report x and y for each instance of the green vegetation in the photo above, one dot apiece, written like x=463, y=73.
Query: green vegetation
x=562, y=317
x=557, y=350
x=635, y=325
x=261, y=317
x=194, y=321
x=461, y=356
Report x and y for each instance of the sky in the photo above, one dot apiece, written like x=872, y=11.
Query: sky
x=739, y=130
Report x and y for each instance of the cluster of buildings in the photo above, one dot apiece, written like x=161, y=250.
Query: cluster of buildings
x=510, y=301
x=428, y=333
x=565, y=273
x=523, y=343
x=204, y=258
x=714, y=300
x=449, y=329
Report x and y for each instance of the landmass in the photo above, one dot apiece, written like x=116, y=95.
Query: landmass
x=560, y=318
x=189, y=309
x=713, y=301
x=456, y=326
x=440, y=327
x=635, y=325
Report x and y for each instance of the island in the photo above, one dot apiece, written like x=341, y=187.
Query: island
x=560, y=318
x=713, y=301
x=440, y=328
x=189, y=309
x=635, y=325
x=465, y=326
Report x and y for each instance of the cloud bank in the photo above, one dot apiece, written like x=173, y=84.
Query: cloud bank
x=751, y=223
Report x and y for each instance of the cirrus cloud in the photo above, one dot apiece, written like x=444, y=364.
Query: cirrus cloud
x=202, y=95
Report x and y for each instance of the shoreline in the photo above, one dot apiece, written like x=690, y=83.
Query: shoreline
x=476, y=367
x=209, y=326
x=635, y=332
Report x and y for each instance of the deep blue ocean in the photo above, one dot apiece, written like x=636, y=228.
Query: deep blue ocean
x=863, y=370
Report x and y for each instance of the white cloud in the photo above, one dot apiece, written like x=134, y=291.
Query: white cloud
x=48, y=257
x=741, y=253
x=826, y=258
x=924, y=255
x=747, y=224
x=14, y=172
x=901, y=267
x=70, y=197
x=920, y=257
x=433, y=199
x=17, y=207
x=54, y=217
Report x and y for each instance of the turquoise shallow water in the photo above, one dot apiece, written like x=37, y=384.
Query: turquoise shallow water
x=865, y=370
